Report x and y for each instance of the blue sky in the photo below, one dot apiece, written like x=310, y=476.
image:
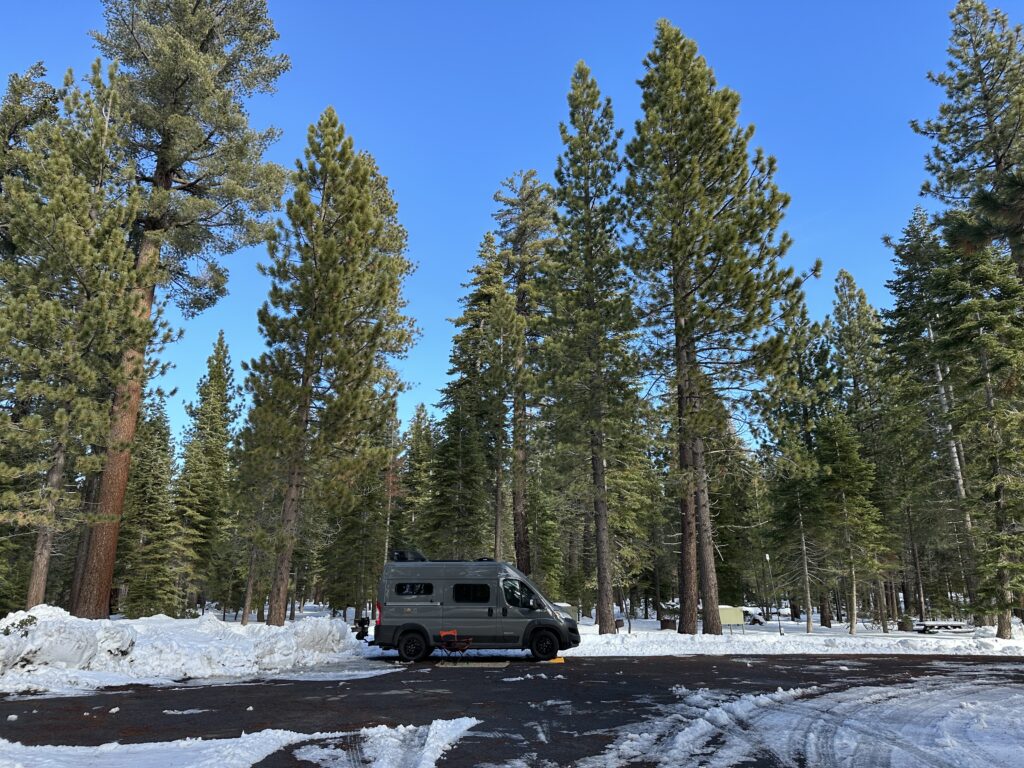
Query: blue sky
x=453, y=97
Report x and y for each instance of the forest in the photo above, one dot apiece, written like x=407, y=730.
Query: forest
x=640, y=412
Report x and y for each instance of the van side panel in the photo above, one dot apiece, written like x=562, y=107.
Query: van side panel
x=471, y=609
x=408, y=601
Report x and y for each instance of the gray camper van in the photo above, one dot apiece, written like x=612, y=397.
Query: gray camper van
x=487, y=603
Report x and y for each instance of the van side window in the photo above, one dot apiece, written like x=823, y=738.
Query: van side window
x=471, y=593
x=517, y=594
x=413, y=589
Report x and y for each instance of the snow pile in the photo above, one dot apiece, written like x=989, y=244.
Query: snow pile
x=248, y=749
x=766, y=640
x=931, y=721
x=47, y=649
x=383, y=747
x=406, y=745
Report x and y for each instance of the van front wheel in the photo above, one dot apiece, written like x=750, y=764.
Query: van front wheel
x=543, y=645
x=412, y=646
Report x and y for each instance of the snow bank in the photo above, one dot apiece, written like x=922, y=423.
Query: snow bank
x=407, y=745
x=766, y=640
x=47, y=649
x=246, y=750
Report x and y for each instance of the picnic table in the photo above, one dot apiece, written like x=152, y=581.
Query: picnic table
x=928, y=627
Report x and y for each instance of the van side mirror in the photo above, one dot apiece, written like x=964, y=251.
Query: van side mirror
x=532, y=604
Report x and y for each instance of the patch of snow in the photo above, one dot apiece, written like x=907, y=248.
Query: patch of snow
x=187, y=711
x=11, y=718
x=242, y=752
x=61, y=653
x=114, y=710
x=931, y=721
x=523, y=677
x=409, y=746
x=647, y=640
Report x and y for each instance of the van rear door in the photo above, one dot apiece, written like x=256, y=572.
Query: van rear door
x=470, y=608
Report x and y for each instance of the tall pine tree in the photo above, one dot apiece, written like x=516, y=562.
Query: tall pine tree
x=332, y=319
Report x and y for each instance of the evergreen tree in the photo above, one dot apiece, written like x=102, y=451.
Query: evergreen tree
x=332, y=319
x=457, y=529
x=417, y=479
x=843, y=484
x=28, y=101
x=202, y=489
x=587, y=354
x=524, y=219
x=155, y=552
x=203, y=186
x=706, y=215
x=978, y=133
x=489, y=340
x=65, y=308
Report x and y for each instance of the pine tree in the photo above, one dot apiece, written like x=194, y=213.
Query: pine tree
x=587, y=346
x=978, y=133
x=203, y=186
x=489, y=341
x=65, y=308
x=844, y=481
x=920, y=256
x=155, y=552
x=417, y=481
x=706, y=215
x=524, y=220
x=332, y=319
x=795, y=399
x=28, y=101
x=457, y=528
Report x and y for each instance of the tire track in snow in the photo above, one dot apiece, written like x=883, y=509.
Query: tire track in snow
x=940, y=722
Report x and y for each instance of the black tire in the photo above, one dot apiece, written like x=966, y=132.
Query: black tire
x=413, y=646
x=543, y=645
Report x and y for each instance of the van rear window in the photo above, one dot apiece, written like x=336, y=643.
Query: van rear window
x=414, y=589
x=471, y=593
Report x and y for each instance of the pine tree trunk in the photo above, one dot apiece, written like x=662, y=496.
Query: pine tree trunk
x=261, y=610
x=94, y=594
x=883, y=612
x=289, y=526
x=605, y=615
x=804, y=567
x=825, y=617
x=712, y=623
x=250, y=584
x=684, y=460
x=851, y=609
x=688, y=554
x=499, y=494
x=520, y=530
x=44, y=534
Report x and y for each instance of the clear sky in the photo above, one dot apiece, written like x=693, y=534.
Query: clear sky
x=453, y=97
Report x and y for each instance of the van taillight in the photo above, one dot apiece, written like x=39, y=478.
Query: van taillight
x=380, y=612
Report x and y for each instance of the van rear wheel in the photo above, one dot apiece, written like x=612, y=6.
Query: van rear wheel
x=543, y=645
x=412, y=646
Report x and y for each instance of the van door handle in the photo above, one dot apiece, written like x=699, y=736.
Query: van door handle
x=504, y=611
x=490, y=611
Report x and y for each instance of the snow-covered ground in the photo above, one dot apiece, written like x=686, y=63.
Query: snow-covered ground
x=932, y=721
x=647, y=640
x=48, y=651
x=382, y=747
